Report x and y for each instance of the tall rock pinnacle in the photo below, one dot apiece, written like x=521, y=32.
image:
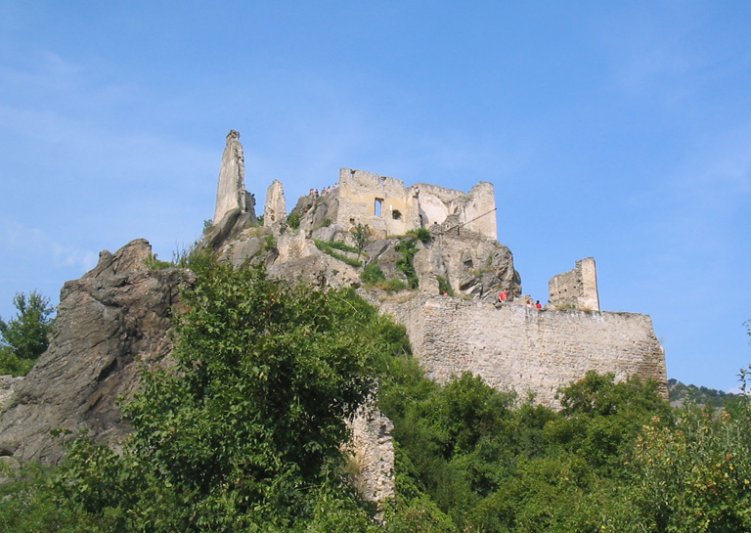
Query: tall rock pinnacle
x=230, y=193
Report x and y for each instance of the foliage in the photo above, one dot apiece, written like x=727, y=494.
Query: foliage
x=407, y=247
x=361, y=234
x=492, y=463
x=269, y=243
x=421, y=234
x=444, y=287
x=293, y=220
x=372, y=274
x=392, y=285
x=24, y=338
x=331, y=248
x=244, y=433
x=207, y=225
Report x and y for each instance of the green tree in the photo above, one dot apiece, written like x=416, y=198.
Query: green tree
x=361, y=235
x=244, y=432
x=693, y=475
x=24, y=338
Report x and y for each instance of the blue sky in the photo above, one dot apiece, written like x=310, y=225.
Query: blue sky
x=619, y=130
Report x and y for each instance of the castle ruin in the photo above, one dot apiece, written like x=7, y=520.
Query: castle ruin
x=512, y=346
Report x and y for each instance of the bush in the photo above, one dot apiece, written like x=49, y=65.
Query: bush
x=372, y=274
x=422, y=234
x=444, y=287
x=293, y=220
x=407, y=248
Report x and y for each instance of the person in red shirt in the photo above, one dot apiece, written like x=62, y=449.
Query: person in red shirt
x=503, y=296
x=538, y=305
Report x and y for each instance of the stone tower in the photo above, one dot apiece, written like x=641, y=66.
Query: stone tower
x=577, y=288
x=230, y=193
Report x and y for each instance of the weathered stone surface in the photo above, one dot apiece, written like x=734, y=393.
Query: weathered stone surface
x=109, y=322
x=7, y=386
x=515, y=347
x=230, y=193
x=276, y=206
x=371, y=450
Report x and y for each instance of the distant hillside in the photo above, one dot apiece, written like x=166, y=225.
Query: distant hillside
x=680, y=392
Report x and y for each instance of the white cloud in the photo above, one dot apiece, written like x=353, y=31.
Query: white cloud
x=18, y=240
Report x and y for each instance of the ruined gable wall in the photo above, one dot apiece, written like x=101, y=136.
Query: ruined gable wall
x=437, y=203
x=358, y=191
x=527, y=350
x=479, y=212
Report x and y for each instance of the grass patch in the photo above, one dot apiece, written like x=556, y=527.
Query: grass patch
x=330, y=248
x=372, y=274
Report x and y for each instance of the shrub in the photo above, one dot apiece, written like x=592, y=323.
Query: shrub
x=293, y=220
x=372, y=274
x=269, y=243
x=407, y=248
x=444, y=287
x=422, y=234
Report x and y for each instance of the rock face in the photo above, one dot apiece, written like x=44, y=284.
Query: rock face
x=110, y=322
x=230, y=193
x=371, y=451
x=7, y=386
x=276, y=206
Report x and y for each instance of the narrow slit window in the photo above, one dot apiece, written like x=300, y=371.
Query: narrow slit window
x=377, y=206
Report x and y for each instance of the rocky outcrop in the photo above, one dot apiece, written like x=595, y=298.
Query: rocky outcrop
x=276, y=206
x=110, y=323
x=371, y=453
x=7, y=386
x=230, y=193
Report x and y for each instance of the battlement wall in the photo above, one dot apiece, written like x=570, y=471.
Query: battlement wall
x=522, y=349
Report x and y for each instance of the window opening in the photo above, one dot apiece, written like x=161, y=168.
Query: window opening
x=377, y=206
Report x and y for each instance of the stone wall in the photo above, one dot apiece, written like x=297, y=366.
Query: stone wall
x=577, y=288
x=390, y=208
x=382, y=203
x=522, y=349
